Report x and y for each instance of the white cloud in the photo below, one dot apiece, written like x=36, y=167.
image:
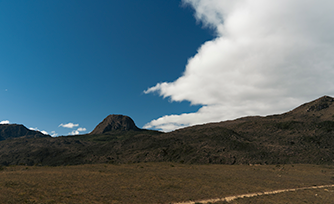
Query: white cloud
x=268, y=57
x=42, y=131
x=81, y=129
x=76, y=132
x=71, y=125
x=68, y=125
x=54, y=134
x=4, y=122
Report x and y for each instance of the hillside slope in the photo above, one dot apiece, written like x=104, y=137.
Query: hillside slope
x=303, y=135
x=11, y=131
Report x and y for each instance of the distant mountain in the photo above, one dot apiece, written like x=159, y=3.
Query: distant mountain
x=11, y=131
x=302, y=135
x=115, y=122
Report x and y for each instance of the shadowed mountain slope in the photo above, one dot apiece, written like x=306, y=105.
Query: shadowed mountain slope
x=11, y=131
x=303, y=135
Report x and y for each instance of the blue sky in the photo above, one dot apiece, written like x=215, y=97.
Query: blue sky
x=78, y=61
x=168, y=64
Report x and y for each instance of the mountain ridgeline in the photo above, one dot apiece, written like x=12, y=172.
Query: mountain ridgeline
x=302, y=135
x=115, y=122
x=10, y=131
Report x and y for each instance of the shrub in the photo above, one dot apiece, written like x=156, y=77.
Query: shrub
x=327, y=125
x=289, y=125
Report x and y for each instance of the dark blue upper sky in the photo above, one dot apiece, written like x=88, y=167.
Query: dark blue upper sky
x=78, y=61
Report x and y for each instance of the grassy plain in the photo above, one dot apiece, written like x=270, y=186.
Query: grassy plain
x=316, y=196
x=160, y=183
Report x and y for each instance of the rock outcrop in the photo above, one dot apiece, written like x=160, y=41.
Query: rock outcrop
x=115, y=122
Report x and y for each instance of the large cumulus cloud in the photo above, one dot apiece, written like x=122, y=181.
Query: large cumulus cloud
x=268, y=57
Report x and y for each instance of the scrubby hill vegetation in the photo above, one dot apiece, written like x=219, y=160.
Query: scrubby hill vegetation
x=10, y=131
x=303, y=135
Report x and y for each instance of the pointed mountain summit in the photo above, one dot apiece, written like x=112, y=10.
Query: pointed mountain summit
x=115, y=122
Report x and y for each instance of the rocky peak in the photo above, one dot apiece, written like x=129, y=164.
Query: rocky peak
x=321, y=103
x=115, y=122
x=321, y=109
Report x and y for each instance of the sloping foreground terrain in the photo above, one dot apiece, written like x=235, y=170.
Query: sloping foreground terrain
x=303, y=135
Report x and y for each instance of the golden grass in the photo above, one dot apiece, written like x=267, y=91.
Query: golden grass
x=155, y=182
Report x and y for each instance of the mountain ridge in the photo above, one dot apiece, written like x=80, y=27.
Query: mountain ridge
x=302, y=135
x=11, y=131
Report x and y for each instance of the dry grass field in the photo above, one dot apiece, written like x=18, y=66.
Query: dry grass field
x=162, y=183
x=324, y=196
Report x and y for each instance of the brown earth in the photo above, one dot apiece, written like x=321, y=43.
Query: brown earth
x=162, y=183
